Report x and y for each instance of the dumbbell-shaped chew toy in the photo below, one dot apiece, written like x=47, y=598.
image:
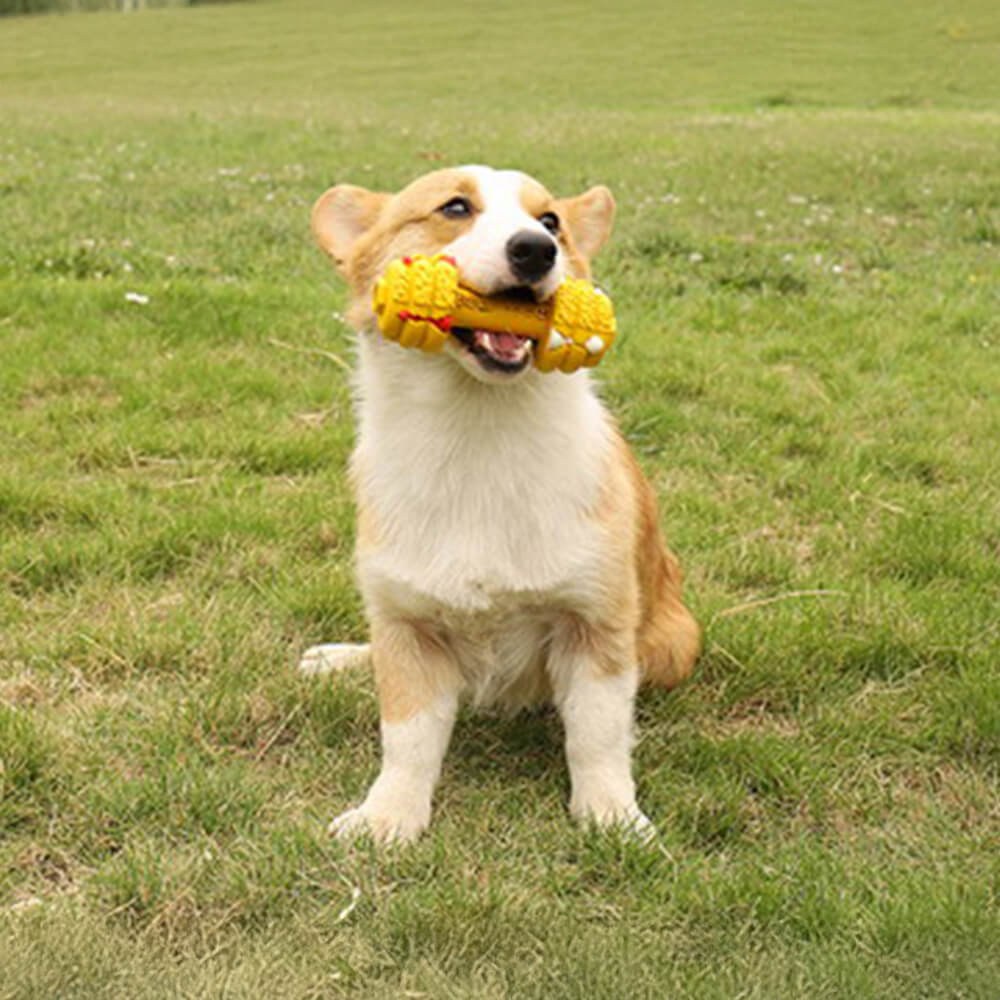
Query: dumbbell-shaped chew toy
x=418, y=300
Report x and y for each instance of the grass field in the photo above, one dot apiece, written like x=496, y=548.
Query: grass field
x=806, y=268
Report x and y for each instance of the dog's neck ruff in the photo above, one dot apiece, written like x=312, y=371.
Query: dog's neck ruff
x=476, y=491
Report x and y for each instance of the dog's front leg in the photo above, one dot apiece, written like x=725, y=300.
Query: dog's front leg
x=418, y=698
x=595, y=678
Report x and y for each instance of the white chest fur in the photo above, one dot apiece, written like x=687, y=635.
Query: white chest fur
x=479, y=494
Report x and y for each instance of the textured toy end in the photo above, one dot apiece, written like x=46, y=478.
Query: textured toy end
x=418, y=300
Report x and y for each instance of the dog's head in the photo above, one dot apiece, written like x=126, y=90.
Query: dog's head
x=507, y=234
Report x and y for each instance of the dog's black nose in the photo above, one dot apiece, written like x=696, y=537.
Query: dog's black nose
x=531, y=255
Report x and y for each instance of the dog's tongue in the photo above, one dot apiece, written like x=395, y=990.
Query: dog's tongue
x=505, y=346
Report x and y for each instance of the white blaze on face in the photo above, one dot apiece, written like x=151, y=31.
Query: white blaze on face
x=481, y=252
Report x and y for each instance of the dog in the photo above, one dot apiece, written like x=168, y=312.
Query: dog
x=508, y=546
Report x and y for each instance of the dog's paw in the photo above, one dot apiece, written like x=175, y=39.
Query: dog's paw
x=636, y=825
x=385, y=826
x=629, y=820
x=333, y=657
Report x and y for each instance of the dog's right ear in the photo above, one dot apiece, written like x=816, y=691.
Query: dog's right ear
x=341, y=215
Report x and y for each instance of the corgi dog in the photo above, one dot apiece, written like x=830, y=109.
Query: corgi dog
x=508, y=547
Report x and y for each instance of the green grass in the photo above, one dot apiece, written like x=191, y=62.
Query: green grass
x=806, y=272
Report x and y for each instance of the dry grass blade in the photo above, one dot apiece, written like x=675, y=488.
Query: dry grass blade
x=335, y=358
x=763, y=602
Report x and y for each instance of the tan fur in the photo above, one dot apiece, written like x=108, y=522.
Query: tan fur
x=412, y=668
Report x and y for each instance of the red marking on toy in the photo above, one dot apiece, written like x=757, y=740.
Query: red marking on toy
x=408, y=261
x=443, y=324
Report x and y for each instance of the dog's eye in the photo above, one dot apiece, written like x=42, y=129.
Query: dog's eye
x=457, y=208
x=551, y=222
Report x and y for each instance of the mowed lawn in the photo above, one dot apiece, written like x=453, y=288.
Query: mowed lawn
x=806, y=268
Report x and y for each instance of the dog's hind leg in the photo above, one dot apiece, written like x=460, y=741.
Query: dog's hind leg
x=669, y=638
x=332, y=657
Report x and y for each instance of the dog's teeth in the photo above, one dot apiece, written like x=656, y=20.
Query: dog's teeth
x=556, y=339
x=594, y=345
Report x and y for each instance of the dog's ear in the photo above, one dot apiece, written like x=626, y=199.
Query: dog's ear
x=589, y=217
x=341, y=215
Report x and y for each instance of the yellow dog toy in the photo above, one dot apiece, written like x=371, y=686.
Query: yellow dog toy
x=418, y=300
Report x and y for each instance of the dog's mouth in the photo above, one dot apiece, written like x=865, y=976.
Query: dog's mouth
x=505, y=353
x=499, y=352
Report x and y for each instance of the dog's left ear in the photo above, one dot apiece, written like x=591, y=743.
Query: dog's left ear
x=341, y=215
x=589, y=217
